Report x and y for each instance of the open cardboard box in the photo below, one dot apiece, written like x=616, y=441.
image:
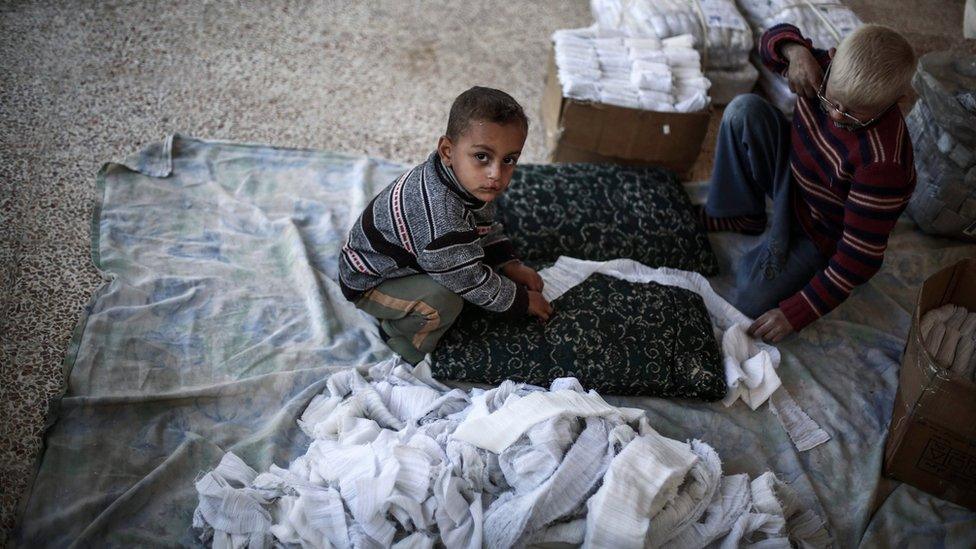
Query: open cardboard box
x=932, y=438
x=581, y=131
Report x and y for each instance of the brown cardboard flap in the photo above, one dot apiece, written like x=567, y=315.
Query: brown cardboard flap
x=937, y=461
x=572, y=154
x=581, y=131
x=552, y=102
x=620, y=132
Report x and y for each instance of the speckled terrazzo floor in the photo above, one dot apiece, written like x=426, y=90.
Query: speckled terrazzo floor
x=84, y=83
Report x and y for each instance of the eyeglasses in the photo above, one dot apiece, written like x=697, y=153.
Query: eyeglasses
x=853, y=122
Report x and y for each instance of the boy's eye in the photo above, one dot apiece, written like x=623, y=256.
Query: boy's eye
x=482, y=157
x=511, y=160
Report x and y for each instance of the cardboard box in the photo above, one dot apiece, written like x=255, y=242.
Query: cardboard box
x=932, y=438
x=581, y=131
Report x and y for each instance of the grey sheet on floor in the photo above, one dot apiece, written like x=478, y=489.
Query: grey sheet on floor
x=220, y=320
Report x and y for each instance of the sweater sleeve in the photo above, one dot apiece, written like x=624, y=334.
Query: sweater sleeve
x=877, y=197
x=771, y=44
x=457, y=261
x=498, y=248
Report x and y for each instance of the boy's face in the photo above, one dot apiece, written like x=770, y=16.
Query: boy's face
x=837, y=110
x=848, y=117
x=484, y=157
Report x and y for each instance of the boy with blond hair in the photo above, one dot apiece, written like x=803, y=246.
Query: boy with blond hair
x=429, y=241
x=839, y=175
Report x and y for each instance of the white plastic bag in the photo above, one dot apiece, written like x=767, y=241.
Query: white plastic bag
x=825, y=22
x=722, y=34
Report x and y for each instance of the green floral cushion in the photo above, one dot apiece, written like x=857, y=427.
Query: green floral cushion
x=604, y=211
x=614, y=336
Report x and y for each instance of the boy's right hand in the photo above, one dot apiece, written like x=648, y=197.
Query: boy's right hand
x=538, y=306
x=804, y=74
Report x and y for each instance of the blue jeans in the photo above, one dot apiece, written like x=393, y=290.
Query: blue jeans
x=752, y=162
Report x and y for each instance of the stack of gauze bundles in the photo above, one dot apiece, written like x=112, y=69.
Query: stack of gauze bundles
x=949, y=333
x=825, y=22
x=637, y=73
x=721, y=34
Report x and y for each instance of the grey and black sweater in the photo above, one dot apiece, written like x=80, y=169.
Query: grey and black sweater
x=426, y=222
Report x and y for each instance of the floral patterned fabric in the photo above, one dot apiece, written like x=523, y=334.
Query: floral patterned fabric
x=601, y=212
x=614, y=336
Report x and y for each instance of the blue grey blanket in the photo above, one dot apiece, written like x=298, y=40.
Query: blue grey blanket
x=221, y=320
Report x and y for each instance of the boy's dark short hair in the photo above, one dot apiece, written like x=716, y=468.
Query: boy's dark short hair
x=488, y=104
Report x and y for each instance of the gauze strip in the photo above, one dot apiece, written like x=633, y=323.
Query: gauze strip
x=501, y=428
x=693, y=497
x=508, y=519
x=641, y=480
x=730, y=502
x=803, y=431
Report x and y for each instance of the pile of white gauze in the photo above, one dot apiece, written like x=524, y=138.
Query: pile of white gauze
x=638, y=73
x=949, y=333
x=398, y=459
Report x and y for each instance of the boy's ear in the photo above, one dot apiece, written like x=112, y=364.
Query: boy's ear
x=445, y=148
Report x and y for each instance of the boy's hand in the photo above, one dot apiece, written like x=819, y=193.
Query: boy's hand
x=538, y=306
x=772, y=326
x=521, y=274
x=804, y=74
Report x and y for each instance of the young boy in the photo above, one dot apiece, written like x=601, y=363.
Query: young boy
x=838, y=176
x=428, y=241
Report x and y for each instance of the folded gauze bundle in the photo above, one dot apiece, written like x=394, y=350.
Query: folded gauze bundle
x=949, y=333
x=612, y=55
x=650, y=45
x=398, y=459
x=638, y=73
x=690, y=87
x=651, y=75
x=716, y=25
x=577, y=63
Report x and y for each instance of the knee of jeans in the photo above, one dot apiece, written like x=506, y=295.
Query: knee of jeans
x=743, y=107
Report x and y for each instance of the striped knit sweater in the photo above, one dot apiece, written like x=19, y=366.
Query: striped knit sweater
x=851, y=188
x=426, y=222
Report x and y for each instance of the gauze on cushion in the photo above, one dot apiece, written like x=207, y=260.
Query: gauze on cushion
x=614, y=336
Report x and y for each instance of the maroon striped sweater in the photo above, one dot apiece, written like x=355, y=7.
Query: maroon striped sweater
x=851, y=188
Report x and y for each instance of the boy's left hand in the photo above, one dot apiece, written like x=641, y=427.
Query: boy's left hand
x=522, y=274
x=772, y=326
